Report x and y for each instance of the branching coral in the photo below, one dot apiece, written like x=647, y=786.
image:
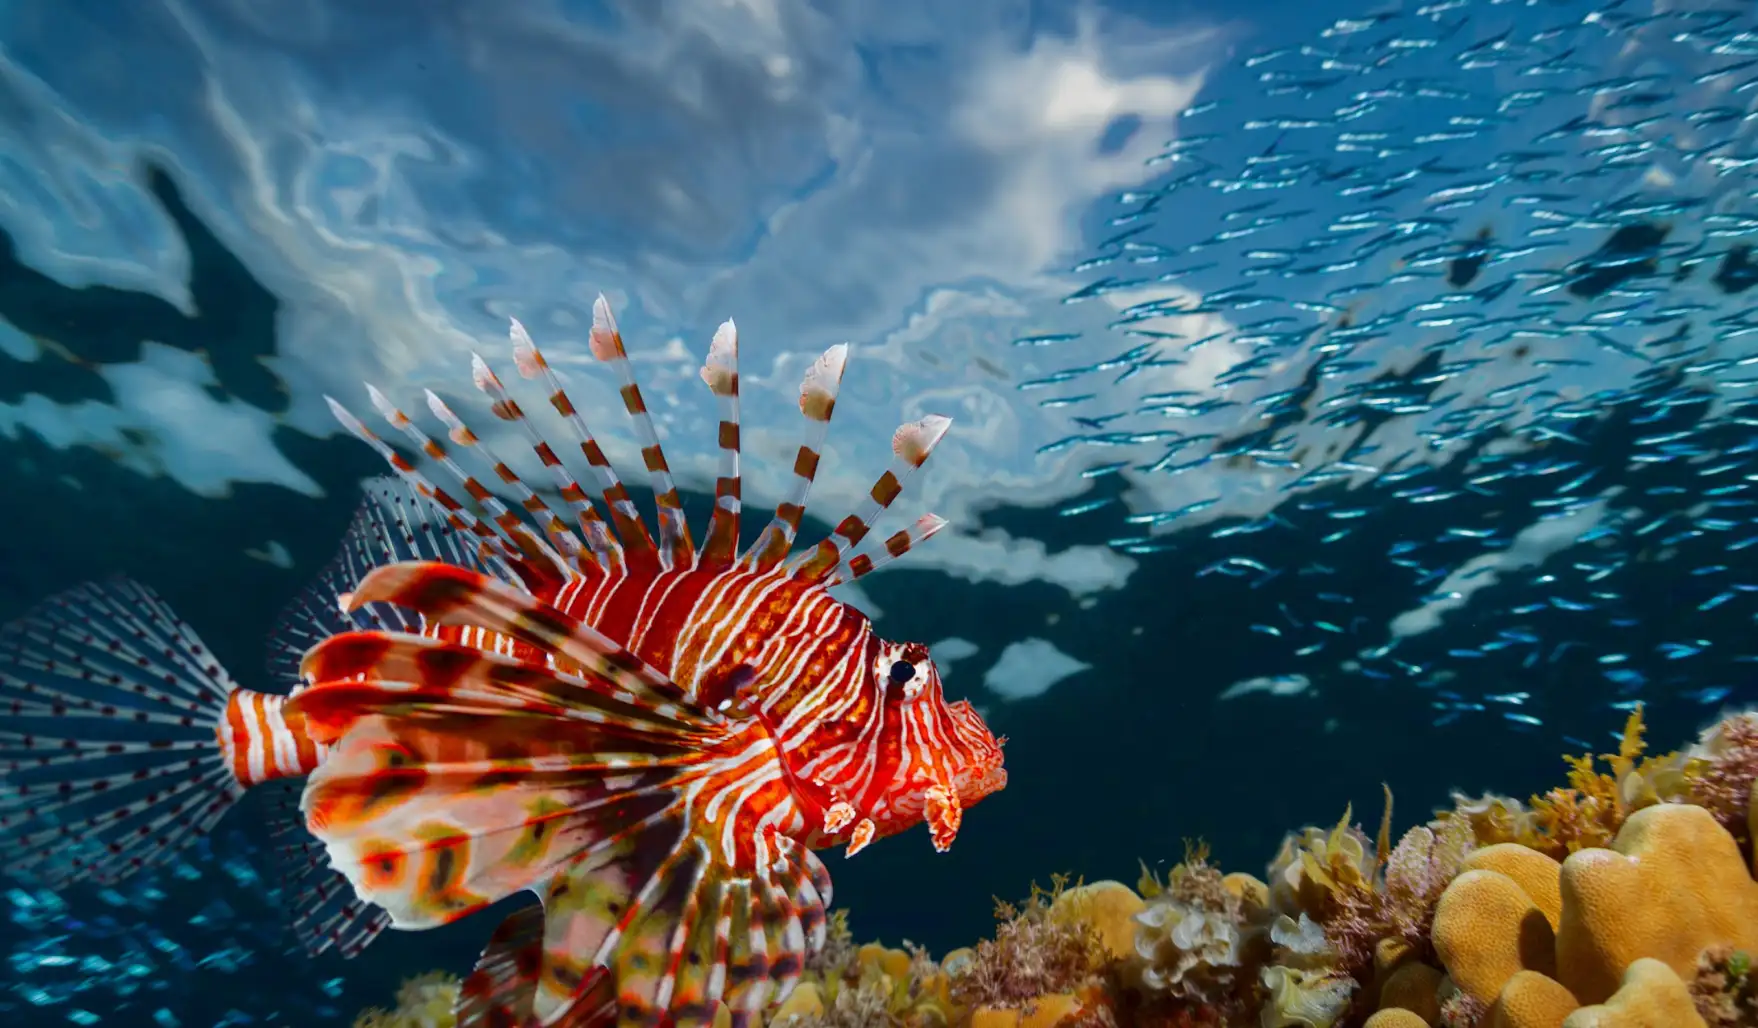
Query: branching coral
x=1032, y=956
x=1722, y=770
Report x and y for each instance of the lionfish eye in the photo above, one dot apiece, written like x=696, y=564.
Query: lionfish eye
x=902, y=671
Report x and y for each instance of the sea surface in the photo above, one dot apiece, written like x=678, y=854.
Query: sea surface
x=1346, y=396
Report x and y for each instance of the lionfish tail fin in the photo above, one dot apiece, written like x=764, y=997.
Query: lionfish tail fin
x=680, y=932
x=721, y=371
x=817, y=402
x=911, y=446
x=325, y=912
x=121, y=738
x=676, y=550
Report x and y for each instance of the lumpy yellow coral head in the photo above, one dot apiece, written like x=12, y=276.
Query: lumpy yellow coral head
x=1486, y=929
x=1649, y=994
x=1673, y=883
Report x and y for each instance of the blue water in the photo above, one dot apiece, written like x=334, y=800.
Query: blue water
x=1486, y=286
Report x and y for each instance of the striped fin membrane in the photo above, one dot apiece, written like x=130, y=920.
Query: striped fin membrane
x=123, y=741
x=619, y=541
x=461, y=776
x=391, y=524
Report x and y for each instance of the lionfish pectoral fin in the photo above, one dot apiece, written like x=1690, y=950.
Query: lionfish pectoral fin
x=680, y=933
x=450, y=595
x=436, y=813
x=944, y=815
x=502, y=990
x=114, y=746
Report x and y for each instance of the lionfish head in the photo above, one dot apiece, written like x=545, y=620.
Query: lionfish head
x=949, y=759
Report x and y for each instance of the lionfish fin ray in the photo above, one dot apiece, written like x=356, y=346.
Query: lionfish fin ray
x=911, y=445
x=818, y=393
x=490, y=547
x=606, y=551
x=449, y=595
x=676, y=550
x=324, y=910
x=721, y=371
x=392, y=523
x=637, y=549
x=896, y=545
x=502, y=990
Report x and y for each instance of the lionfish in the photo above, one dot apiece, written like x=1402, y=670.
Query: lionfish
x=651, y=737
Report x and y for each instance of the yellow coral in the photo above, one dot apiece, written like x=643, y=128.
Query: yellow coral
x=1414, y=987
x=424, y=1001
x=1486, y=929
x=1109, y=907
x=1396, y=1017
x=1650, y=995
x=1531, y=1000
x=1537, y=875
x=1672, y=884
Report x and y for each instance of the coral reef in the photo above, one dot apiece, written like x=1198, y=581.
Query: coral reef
x=1623, y=899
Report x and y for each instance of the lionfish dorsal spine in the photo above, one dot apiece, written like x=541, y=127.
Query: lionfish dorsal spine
x=605, y=549
x=491, y=548
x=896, y=545
x=721, y=371
x=526, y=543
x=639, y=553
x=676, y=550
x=560, y=535
x=818, y=393
x=911, y=445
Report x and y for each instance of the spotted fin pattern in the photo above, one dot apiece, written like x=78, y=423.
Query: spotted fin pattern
x=324, y=911
x=142, y=773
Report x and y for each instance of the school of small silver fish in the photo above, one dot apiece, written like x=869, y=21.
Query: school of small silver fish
x=1482, y=268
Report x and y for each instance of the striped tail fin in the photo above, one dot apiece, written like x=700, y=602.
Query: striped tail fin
x=461, y=776
x=113, y=715
x=124, y=741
